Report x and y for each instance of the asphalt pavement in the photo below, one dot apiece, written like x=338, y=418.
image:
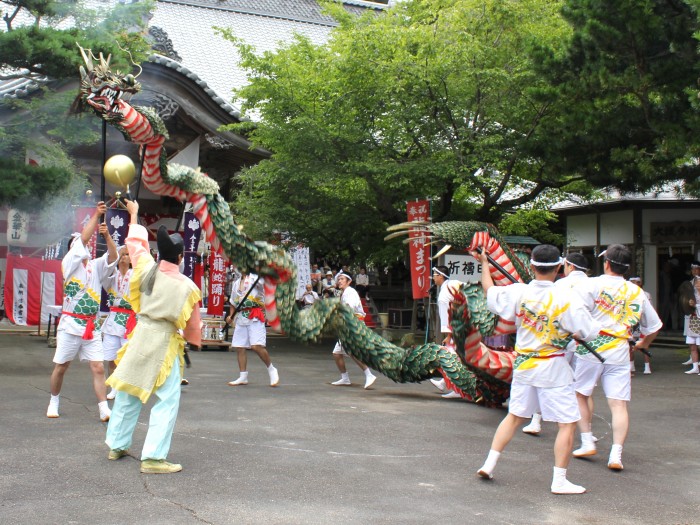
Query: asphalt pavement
x=307, y=452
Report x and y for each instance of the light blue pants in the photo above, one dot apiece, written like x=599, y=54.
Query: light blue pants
x=125, y=415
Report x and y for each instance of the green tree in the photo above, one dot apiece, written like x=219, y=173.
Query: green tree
x=31, y=48
x=629, y=77
x=437, y=98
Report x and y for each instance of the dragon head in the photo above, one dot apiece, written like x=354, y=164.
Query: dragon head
x=101, y=89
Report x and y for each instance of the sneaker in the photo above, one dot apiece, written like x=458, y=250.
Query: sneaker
x=342, y=382
x=274, y=376
x=693, y=370
x=112, y=394
x=439, y=384
x=237, y=382
x=587, y=449
x=533, y=428
x=159, y=466
x=647, y=372
x=688, y=362
x=52, y=411
x=105, y=414
x=184, y=382
x=115, y=454
x=451, y=395
x=566, y=487
x=369, y=380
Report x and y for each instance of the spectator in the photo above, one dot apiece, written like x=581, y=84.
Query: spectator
x=328, y=282
x=309, y=297
x=362, y=283
x=316, y=277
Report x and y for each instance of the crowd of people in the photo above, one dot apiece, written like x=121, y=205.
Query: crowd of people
x=572, y=334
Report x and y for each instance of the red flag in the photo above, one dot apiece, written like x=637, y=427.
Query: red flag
x=217, y=283
x=419, y=255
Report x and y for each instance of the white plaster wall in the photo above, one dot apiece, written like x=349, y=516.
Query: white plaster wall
x=616, y=227
x=580, y=230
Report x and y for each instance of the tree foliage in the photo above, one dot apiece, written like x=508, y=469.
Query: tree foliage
x=32, y=47
x=437, y=98
x=40, y=49
x=629, y=77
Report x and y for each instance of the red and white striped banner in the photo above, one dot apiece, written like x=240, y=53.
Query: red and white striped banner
x=30, y=286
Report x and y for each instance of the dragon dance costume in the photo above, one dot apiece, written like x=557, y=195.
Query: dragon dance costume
x=153, y=358
x=122, y=318
x=82, y=290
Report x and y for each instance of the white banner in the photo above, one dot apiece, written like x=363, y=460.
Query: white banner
x=17, y=227
x=300, y=255
x=48, y=294
x=463, y=268
x=19, y=305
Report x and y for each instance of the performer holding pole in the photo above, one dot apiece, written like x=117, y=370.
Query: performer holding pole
x=618, y=305
x=77, y=333
x=545, y=318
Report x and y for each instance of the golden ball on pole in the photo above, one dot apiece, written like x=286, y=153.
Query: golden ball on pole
x=119, y=170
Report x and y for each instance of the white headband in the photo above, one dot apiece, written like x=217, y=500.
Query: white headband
x=575, y=265
x=555, y=263
x=343, y=274
x=602, y=254
x=435, y=270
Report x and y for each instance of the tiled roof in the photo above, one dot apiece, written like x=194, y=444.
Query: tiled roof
x=667, y=192
x=20, y=87
x=299, y=10
x=263, y=24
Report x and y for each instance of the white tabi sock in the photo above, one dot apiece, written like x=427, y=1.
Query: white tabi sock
x=490, y=464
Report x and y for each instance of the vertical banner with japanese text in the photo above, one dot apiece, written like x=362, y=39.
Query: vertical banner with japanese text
x=217, y=283
x=419, y=254
x=17, y=227
x=118, y=225
x=192, y=232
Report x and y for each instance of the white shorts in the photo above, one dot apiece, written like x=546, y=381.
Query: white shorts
x=692, y=340
x=111, y=345
x=557, y=403
x=615, y=379
x=250, y=335
x=69, y=345
x=338, y=349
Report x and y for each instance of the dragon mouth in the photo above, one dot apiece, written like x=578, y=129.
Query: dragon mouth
x=106, y=100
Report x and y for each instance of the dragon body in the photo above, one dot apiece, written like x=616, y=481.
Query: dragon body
x=477, y=372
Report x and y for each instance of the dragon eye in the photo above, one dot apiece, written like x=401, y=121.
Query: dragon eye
x=130, y=80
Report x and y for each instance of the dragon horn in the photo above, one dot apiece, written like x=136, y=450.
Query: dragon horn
x=87, y=59
x=412, y=239
x=396, y=234
x=103, y=62
x=443, y=250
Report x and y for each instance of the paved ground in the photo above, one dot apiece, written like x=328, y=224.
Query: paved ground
x=310, y=453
